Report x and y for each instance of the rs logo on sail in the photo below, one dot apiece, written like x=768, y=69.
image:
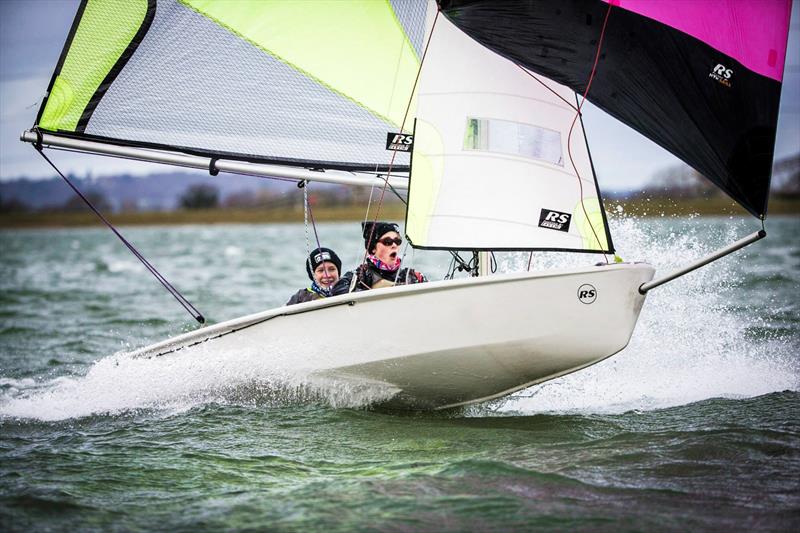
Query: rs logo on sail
x=554, y=220
x=722, y=74
x=399, y=142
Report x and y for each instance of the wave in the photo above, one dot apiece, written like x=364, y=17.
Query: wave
x=177, y=382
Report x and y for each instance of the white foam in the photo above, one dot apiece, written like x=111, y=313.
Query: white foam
x=688, y=346
x=16, y=384
x=233, y=251
x=118, y=267
x=179, y=381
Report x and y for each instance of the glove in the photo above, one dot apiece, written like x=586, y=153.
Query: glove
x=409, y=276
x=365, y=277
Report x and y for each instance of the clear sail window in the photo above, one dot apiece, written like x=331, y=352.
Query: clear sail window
x=514, y=138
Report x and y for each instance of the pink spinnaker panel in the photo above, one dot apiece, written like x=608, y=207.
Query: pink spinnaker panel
x=751, y=31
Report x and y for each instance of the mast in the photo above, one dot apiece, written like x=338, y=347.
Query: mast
x=484, y=263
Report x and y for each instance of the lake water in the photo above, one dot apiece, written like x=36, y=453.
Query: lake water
x=696, y=425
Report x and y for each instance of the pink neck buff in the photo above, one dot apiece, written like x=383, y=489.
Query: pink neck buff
x=383, y=266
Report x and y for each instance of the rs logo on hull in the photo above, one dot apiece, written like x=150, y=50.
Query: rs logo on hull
x=587, y=294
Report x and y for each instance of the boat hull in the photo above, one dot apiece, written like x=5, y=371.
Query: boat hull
x=448, y=343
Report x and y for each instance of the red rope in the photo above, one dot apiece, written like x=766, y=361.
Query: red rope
x=575, y=119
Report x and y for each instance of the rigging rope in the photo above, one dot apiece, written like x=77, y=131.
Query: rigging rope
x=472, y=265
x=402, y=258
x=308, y=213
x=369, y=203
x=575, y=119
x=532, y=75
x=402, y=128
x=314, y=225
x=303, y=184
x=186, y=304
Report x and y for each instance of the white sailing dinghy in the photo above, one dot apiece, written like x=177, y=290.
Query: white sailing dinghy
x=486, y=95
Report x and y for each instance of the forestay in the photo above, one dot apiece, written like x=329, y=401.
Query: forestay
x=495, y=166
x=316, y=84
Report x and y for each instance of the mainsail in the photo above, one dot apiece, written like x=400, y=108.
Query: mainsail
x=700, y=78
x=500, y=158
x=308, y=83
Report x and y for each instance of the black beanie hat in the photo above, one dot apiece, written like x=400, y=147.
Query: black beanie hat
x=319, y=256
x=373, y=231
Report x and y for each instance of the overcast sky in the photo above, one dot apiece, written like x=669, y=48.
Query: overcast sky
x=32, y=33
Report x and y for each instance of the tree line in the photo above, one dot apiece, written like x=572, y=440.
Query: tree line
x=205, y=196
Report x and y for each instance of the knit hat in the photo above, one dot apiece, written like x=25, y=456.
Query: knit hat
x=373, y=231
x=319, y=256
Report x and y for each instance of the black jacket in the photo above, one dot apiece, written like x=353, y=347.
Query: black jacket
x=303, y=295
x=368, y=276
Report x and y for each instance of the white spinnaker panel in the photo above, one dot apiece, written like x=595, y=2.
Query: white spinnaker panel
x=491, y=157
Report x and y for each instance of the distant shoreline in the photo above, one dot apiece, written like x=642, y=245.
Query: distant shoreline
x=655, y=207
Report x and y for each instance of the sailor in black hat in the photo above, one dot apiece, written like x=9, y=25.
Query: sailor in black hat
x=323, y=267
x=381, y=267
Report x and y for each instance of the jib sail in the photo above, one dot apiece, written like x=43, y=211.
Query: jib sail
x=500, y=158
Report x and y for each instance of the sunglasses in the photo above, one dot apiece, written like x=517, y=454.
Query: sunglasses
x=387, y=241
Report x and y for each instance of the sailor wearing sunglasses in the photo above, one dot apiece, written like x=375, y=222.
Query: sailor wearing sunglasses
x=381, y=268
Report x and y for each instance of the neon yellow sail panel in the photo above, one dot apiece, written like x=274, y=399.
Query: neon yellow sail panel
x=588, y=220
x=494, y=165
x=321, y=38
x=105, y=31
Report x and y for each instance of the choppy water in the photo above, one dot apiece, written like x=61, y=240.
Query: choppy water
x=695, y=425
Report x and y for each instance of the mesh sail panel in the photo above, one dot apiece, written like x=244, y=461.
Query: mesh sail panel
x=105, y=35
x=411, y=14
x=266, y=81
